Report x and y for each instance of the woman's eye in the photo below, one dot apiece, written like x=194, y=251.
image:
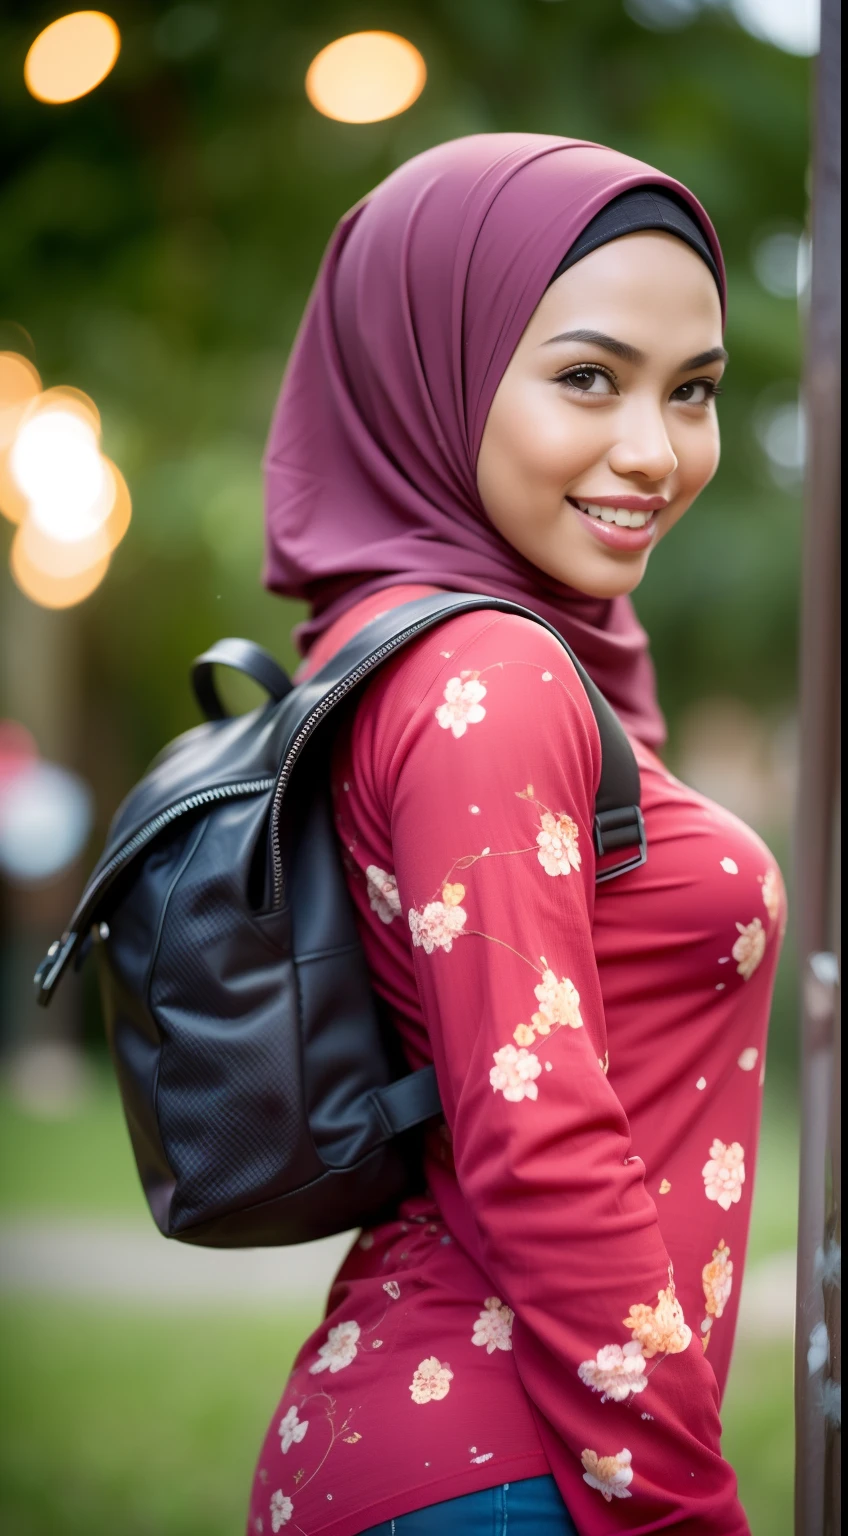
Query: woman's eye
x=699, y=392
x=589, y=381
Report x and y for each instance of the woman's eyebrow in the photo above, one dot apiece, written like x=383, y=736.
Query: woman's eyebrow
x=631, y=354
x=702, y=359
x=621, y=349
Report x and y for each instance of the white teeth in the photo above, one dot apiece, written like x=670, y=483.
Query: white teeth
x=618, y=515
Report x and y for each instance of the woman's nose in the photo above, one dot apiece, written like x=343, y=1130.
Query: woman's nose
x=643, y=446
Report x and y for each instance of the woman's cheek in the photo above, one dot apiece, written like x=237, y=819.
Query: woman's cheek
x=698, y=457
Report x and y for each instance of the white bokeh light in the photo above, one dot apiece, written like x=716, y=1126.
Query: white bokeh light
x=777, y=261
x=781, y=432
x=792, y=25
x=45, y=818
x=57, y=464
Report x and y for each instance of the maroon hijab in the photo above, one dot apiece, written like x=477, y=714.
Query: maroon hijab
x=423, y=295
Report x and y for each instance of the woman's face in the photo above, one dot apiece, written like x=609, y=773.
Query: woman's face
x=604, y=429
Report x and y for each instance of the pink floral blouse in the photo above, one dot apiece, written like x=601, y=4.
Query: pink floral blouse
x=563, y=1299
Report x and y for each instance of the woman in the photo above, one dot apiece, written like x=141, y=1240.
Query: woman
x=505, y=384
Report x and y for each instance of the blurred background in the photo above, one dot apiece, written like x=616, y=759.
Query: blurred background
x=172, y=174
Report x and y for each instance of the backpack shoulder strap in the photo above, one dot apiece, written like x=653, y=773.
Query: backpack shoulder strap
x=619, y=826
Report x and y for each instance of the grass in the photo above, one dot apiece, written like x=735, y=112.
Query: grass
x=149, y=1425
x=81, y=1165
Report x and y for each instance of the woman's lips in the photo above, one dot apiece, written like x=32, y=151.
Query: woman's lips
x=610, y=533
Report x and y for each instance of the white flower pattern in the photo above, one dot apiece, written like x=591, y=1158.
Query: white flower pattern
x=382, y=893
x=611, y=1475
x=431, y=1382
x=724, y=1173
x=772, y=890
x=616, y=1371
x=463, y=704
x=437, y=926
x=493, y=1328
x=339, y=1350
x=282, y=1510
x=559, y=1003
x=717, y=1280
x=749, y=948
x=291, y=1430
x=558, y=852
x=514, y=1073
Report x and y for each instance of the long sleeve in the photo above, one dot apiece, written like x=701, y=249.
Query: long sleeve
x=489, y=760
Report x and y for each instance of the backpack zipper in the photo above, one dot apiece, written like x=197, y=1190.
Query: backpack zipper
x=180, y=808
x=328, y=702
x=63, y=948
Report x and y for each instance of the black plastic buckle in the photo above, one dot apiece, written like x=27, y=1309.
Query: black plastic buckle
x=620, y=828
x=52, y=966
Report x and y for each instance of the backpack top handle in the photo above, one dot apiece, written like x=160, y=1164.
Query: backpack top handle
x=242, y=656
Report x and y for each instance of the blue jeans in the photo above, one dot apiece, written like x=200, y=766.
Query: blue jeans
x=532, y=1507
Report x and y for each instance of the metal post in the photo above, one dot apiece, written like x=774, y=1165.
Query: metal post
x=817, y=1471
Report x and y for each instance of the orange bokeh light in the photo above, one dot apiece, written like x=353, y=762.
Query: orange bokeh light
x=51, y=591
x=13, y=503
x=118, y=521
x=365, y=77
x=64, y=397
x=71, y=56
x=58, y=559
x=19, y=387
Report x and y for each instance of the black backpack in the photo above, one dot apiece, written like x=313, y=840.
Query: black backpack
x=266, y=1100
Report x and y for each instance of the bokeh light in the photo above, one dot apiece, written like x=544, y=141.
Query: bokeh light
x=365, y=77
x=56, y=462
x=792, y=25
x=71, y=56
x=19, y=387
x=75, y=402
x=72, y=504
x=53, y=591
x=777, y=262
x=46, y=814
x=57, y=558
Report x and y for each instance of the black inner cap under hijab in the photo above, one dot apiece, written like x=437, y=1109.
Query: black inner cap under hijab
x=640, y=208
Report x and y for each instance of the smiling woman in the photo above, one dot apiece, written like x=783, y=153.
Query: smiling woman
x=603, y=428
x=505, y=384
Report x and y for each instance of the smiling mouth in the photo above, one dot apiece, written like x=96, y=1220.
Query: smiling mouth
x=618, y=515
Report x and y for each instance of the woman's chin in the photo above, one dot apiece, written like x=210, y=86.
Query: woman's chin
x=602, y=577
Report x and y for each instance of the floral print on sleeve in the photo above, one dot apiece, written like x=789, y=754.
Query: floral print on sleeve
x=611, y=1475
x=436, y=926
x=661, y=1329
x=717, y=1280
x=463, y=704
x=557, y=840
x=616, y=1371
x=724, y=1173
x=383, y=895
x=514, y=1073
